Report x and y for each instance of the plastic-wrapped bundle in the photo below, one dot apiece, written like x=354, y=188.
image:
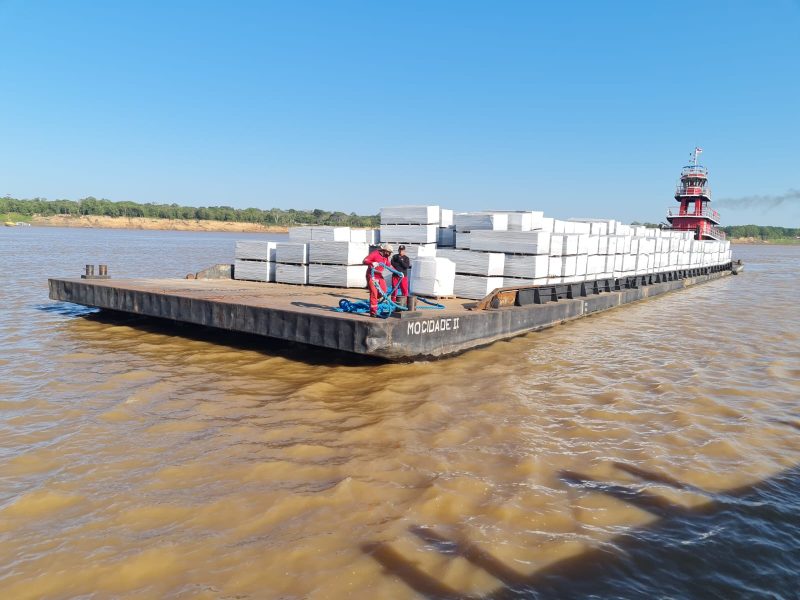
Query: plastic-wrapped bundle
x=462, y=240
x=445, y=217
x=365, y=236
x=291, y=274
x=337, y=253
x=526, y=266
x=300, y=234
x=291, y=253
x=346, y=276
x=432, y=276
x=410, y=215
x=475, y=287
x=253, y=270
x=474, y=221
x=510, y=242
x=255, y=250
x=475, y=263
x=413, y=234
x=330, y=234
x=418, y=250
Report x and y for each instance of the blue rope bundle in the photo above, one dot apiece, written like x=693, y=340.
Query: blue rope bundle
x=386, y=306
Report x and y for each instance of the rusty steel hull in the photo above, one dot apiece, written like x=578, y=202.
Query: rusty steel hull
x=305, y=314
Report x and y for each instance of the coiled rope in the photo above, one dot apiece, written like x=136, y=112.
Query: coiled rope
x=386, y=306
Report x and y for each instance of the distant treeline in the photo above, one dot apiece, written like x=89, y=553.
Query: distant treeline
x=761, y=232
x=107, y=208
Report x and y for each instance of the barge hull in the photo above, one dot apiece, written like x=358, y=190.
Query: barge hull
x=304, y=314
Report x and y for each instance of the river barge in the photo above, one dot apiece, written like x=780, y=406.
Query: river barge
x=501, y=274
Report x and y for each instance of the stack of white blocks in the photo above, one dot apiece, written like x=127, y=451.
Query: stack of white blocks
x=254, y=260
x=479, y=251
x=414, y=226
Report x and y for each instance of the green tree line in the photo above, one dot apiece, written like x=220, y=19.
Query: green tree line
x=107, y=208
x=761, y=232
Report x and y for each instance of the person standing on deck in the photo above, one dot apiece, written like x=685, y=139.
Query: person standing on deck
x=376, y=260
x=400, y=262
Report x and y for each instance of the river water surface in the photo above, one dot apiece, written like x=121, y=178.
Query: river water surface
x=649, y=452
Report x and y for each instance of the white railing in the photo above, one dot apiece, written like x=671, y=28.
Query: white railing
x=710, y=213
x=692, y=190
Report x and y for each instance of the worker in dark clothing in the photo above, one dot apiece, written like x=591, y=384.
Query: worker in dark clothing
x=400, y=262
x=376, y=260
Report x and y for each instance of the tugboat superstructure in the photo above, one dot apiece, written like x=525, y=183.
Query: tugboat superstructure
x=694, y=196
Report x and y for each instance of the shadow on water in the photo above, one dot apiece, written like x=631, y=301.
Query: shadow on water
x=723, y=548
x=67, y=309
x=311, y=355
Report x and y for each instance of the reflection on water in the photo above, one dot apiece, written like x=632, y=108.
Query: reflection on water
x=642, y=452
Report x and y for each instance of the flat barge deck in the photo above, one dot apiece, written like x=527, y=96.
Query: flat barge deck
x=306, y=315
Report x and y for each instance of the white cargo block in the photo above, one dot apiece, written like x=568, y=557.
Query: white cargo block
x=474, y=221
x=581, y=264
x=629, y=262
x=254, y=270
x=593, y=244
x=547, y=224
x=291, y=253
x=255, y=250
x=291, y=274
x=346, y=276
x=475, y=263
x=418, y=250
x=432, y=276
x=555, y=266
x=596, y=264
x=569, y=245
x=410, y=215
x=475, y=287
x=300, y=234
x=569, y=266
x=510, y=242
x=520, y=221
x=413, y=234
x=462, y=240
x=445, y=217
x=337, y=253
x=330, y=234
x=556, y=244
x=602, y=244
x=527, y=266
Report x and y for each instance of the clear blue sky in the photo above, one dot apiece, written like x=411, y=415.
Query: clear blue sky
x=574, y=108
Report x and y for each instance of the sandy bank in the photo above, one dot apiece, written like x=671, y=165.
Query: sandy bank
x=148, y=223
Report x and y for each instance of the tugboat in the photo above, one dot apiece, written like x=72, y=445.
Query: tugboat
x=694, y=196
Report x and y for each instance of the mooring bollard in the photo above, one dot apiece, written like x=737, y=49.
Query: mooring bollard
x=89, y=270
x=103, y=270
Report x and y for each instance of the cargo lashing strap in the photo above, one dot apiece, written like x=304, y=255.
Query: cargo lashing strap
x=386, y=306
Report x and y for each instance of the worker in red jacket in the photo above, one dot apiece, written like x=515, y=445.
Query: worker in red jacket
x=376, y=260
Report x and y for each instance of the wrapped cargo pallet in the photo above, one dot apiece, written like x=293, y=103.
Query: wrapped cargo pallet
x=462, y=240
x=432, y=276
x=445, y=217
x=254, y=270
x=474, y=263
x=411, y=234
x=475, y=287
x=300, y=234
x=365, y=236
x=344, y=276
x=510, y=242
x=291, y=253
x=330, y=234
x=418, y=250
x=475, y=221
x=255, y=250
x=297, y=274
x=337, y=253
x=410, y=215
x=527, y=266
x=556, y=244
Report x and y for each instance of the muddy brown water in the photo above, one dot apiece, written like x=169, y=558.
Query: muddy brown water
x=140, y=460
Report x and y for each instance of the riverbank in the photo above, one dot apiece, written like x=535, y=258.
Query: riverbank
x=759, y=241
x=100, y=222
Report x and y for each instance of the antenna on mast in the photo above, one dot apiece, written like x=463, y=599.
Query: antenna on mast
x=697, y=152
